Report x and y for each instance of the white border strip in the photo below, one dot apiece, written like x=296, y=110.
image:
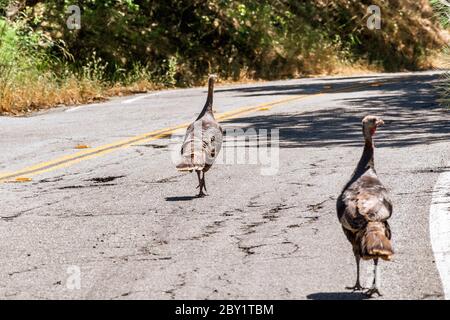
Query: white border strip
x=137, y=98
x=81, y=107
x=440, y=229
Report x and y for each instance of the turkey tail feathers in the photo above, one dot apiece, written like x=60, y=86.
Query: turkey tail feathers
x=375, y=242
x=191, y=162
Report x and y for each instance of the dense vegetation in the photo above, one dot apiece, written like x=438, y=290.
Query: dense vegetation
x=135, y=45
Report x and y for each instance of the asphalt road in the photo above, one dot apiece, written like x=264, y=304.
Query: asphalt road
x=119, y=218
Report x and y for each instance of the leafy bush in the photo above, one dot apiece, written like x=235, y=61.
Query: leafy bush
x=145, y=44
x=442, y=8
x=265, y=39
x=20, y=58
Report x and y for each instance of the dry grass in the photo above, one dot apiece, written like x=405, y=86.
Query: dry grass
x=440, y=60
x=43, y=93
x=140, y=86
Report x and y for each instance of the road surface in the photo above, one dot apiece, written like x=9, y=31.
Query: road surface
x=117, y=221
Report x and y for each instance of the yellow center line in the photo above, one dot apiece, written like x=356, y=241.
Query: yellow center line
x=85, y=154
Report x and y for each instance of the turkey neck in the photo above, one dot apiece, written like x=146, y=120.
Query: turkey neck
x=209, y=100
x=366, y=160
x=365, y=163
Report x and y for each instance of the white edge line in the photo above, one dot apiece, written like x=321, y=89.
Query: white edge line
x=81, y=107
x=138, y=98
x=440, y=229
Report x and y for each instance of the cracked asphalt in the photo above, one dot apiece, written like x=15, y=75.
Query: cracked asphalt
x=133, y=226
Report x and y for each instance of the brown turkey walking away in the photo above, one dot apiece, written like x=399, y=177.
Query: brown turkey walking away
x=364, y=207
x=202, y=142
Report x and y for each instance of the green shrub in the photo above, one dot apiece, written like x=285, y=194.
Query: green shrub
x=261, y=39
x=145, y=44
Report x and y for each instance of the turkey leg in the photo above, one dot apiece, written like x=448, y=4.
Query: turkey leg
x=374, y=289
x=357, y=286
x=201, y=183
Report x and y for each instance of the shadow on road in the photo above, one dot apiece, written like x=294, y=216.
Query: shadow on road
x=408, y=105
x=337, y=296
x=315, y=86
x=182, y=198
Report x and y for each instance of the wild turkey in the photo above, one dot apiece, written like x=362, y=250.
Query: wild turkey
x=364, y=207
x=202, y=141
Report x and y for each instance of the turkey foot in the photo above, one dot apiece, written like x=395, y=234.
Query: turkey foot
x=356, y=287
x=372, y=291
x=201, y=194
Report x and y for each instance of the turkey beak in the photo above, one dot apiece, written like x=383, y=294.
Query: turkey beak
x=379, y=122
